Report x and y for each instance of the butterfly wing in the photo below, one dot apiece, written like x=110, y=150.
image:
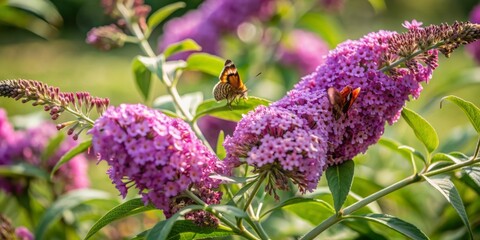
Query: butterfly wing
x=336, y=100
x=342, y=101
x=230, y=75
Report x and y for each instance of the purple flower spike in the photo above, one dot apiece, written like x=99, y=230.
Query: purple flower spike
x=159, y=155
x=28, y=146
x=275, y=142
x=339, y=110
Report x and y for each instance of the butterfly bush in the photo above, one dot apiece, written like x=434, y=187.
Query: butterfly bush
x=474, y=48
x=274, y=140
x=371, y=63
x=28, y=146
x=160, y=156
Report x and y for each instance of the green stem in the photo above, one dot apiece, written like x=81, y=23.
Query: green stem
x=219, y=215
x=418, y=52
x=255, y=190
x=171, y=89
x=375, y=196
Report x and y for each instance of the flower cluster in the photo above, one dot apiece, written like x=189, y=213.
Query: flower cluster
x=211, y=19
x=159, y=155
x=386, y=66
x=474, y=47
x=106, y=37
x=113, y=36
x=28, y=146
x=302, y=49
x=275, y=142
x=56, y=102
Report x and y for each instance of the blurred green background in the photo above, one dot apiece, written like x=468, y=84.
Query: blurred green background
x=60, y=57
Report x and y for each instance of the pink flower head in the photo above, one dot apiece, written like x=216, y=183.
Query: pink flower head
x=414, y=24
x=304, y=132
x=28, y=146
x=276, y=141
x=23, y=234
x=106, y=37
x=157, y=154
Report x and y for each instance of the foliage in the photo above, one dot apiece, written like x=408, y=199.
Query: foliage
x=355, y=205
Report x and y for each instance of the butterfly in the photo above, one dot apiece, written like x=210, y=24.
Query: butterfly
x=230, y=86
x=343, y=100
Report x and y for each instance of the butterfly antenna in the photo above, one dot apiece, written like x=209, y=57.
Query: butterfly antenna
x=258, y=74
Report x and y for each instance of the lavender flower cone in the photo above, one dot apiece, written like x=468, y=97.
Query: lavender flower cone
x=388, y=68
x=159, y=155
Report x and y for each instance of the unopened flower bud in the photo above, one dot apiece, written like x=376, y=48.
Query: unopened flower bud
x=106, y=37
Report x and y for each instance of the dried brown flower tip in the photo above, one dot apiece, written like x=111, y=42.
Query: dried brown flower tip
x=55, y=102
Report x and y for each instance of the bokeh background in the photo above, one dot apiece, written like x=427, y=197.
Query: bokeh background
x=45, y=40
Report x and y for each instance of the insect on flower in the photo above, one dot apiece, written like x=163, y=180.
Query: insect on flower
x=230, y=86
x=343, y=100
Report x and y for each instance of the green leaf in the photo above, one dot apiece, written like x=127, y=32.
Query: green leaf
x=422, y=129
x=42, y=8
x=221, y=153
x=312, y=211
x=443, y=156
x=154, y=64
x=80, y=148
x=143, y=77
x=128, y=208
x=206, y=63
x=240, y=194
x=363, y=229
x=190, y=100
x=182, y=46
x=472, y=111
x=65, y=203
x=446, y=187
x=471, y=177
x=232, y=179
x=23, y=170
x=300, y=200
x=229, y=210
x=474, y=173
x=26, y=20
x=52, y=146
x=403, y=150
x=188, y=230
x=221, y=110
x=158, y=16
x=405, y=228
x=162, y=229
x=339, y=179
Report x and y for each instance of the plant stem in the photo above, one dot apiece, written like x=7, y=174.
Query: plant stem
x=134, y=27
x=255, y=190
x=242, y=232
x=418, y=52
x=375, y=196
x=354, y=207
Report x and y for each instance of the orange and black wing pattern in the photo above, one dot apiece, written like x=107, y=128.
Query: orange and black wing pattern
x=342, y=101
x=230, y=86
